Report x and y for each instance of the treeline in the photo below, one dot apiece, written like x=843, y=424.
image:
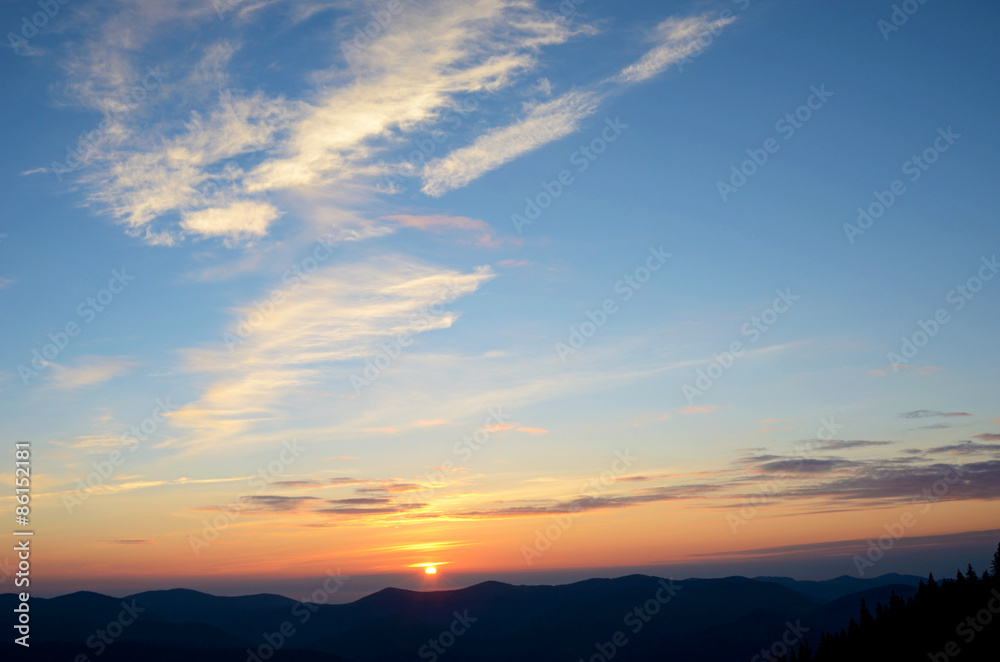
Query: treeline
x=954, y=619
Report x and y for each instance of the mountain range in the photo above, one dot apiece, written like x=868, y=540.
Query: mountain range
x=631, y=618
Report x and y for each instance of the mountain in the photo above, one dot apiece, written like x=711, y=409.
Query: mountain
x=838, y=587
x=631, y=618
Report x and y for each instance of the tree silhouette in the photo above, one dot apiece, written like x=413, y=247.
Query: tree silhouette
x=919, y=628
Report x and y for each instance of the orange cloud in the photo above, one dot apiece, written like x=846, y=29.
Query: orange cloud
x=430, y=423
x=700, y=409
x=768, y=427
x=533, y=430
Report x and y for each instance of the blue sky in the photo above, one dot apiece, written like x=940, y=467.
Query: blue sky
x=235, y=143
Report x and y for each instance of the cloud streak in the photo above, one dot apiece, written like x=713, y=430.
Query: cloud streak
x=90, y=370
x=336, y=316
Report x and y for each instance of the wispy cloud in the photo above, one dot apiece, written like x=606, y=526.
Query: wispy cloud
x=270, y=503
x=590, y=503
x=336, y=130
x=438, y=223
x=90, y=370
x=804, y=466
x=927, y=413
x=966, y=448
x=543, y=124
x=844, y=444
x=675, y=39
x=338, y=315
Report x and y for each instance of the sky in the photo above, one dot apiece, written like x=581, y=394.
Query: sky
x=511, y=289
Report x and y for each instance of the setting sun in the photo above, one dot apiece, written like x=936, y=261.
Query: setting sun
x=431, y=570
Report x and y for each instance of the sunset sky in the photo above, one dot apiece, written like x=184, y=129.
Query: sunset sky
x=527, y=290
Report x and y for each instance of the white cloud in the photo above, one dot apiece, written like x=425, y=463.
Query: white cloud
x=404, y=80
x=544, y=123
x=176, y=173
x=677, y=38
x=338, y=314
x=244, y=218
x=90, y=370
x=339, y=128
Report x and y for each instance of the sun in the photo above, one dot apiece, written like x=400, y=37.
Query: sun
x=431, y=570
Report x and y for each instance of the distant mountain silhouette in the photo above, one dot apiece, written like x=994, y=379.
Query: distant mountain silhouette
x=694, y=620
x=832, y=589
